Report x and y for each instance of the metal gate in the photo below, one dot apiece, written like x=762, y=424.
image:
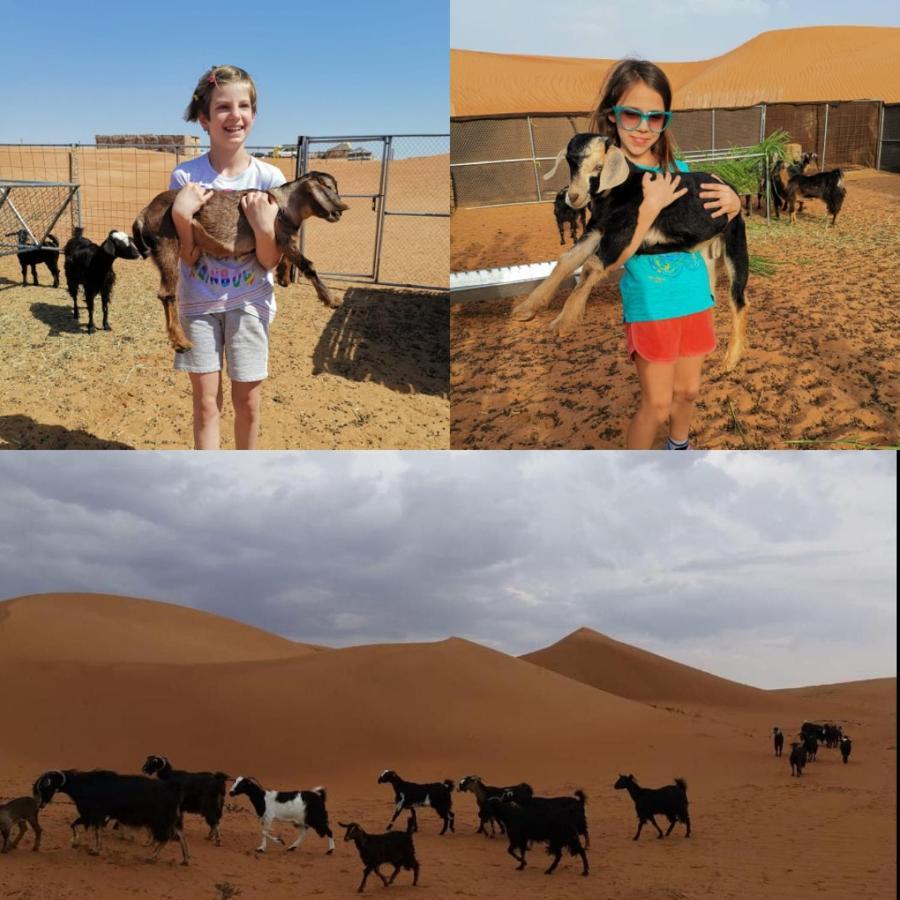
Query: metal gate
x=390, y=182
x=31, y=209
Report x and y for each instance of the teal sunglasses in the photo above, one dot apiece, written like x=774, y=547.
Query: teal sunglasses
x=630, y=119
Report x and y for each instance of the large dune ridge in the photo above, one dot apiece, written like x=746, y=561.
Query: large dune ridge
x=793, y=65
x=103, y=628
x=432, y=711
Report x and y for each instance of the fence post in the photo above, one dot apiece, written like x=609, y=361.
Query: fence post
x=534, y=165
x=762, y=122
x=713, y=136
x=880, y=142
x=73, y=179
x=382, y=190
x=824, y=141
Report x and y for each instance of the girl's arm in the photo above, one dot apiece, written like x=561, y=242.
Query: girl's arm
x=190, y=198
x=261, y=211
x=659, y=192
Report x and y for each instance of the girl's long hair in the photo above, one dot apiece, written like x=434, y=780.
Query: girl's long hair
x=621, y=77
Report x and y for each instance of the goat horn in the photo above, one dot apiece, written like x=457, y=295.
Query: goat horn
x=559, y=158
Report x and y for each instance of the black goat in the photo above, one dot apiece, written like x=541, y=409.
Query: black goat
x=32, y=257
x=554, y=824
x=564, y=213
x=130, y=799
x=475, y=785
x=394, y=848
x=202, y=792
x=846, y=747
x=409, y=795
x=797, y=759
x=811, y=728
x=603, y=178
x=90, y=266
x=670, y=801
x=827, y=186
x=811, y=746
x=778, y=740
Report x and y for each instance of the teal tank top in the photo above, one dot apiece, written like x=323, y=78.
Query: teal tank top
x=665, y=285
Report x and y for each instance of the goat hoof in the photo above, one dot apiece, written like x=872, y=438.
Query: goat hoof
x=107, y=328
x=524, y=312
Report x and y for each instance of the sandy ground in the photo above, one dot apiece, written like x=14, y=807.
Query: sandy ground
x=755, y=828
x=821, y=362
x=790, y=65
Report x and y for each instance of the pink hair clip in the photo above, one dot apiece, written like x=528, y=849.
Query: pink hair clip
x=212, y=79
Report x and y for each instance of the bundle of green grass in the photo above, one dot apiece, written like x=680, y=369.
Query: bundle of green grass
x=745, y=175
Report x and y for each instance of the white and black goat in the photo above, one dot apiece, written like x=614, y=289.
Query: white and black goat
x=846, y=746
x=409, y=795
x=89, y=266
x=542, y=819
x=602, y=177
x=670, y=801
x=202, y=792
x=394, y=849
x=133, y=800
x=305, y=809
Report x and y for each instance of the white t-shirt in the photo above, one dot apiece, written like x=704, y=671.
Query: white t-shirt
x=236, y=282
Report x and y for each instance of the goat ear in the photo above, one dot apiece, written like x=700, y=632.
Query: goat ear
x=109, y=246
x=615, y=169
x=326, y=198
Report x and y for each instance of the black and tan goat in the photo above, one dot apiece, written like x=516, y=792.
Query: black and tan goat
x=31, y=255
x=221, y=229
x=21, y=812
x=604, y=179
x=474, y=784
x=827, y=186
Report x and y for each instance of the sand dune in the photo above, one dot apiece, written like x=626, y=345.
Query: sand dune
x=607, y=664
x=794, y=65
x=128, y=682
x=102, y=628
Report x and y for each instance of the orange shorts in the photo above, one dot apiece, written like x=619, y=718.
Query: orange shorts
x=669, y=339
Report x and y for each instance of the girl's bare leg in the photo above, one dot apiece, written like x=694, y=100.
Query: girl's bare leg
x=688, y=371
x=245, y=397
x=207, y=395
x=657, y=385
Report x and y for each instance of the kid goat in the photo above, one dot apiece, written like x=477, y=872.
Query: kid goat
x=306, y=809
x=603, y=178
x=221, y=229
x=409, y=795
x=394, y=848
x=31, y=256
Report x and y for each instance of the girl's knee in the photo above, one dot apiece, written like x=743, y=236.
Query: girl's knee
x=686, y=393
x=206, y=408
x=659, y=410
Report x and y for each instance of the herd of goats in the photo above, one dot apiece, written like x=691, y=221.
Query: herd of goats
x=158, y=804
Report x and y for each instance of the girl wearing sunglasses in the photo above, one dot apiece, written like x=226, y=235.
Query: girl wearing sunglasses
x=666, y=298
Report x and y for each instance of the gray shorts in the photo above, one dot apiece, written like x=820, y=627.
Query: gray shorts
x=242, y=337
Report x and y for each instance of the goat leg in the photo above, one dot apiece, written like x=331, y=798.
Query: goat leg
x=573, y=309
x=567, y=263
x=177, y=337
x=293, y=255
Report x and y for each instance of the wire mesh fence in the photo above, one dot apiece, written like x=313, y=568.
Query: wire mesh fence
x=889, y=146
x=499, y=161
x=400, y=181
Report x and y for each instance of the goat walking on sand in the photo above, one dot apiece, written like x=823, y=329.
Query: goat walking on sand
x=394, y=848
x=21, y=812
x=408, y=795
x=670, y=801
x=778, y=740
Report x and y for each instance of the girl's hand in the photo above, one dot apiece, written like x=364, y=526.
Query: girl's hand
x=721, y=198
x=661, y=190
x=189, y=200
x=261, y=211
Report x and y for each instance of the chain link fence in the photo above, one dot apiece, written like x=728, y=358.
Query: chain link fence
x=499, y=161
x=395, y=232
x=889, y=147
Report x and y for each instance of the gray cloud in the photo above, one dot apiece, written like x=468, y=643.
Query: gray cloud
x=749, y=562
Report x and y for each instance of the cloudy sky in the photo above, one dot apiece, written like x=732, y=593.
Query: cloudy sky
x=661, y=30
x=774, y=569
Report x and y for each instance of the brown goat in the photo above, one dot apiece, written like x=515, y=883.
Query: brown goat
x=18, y=812
x=221, y=229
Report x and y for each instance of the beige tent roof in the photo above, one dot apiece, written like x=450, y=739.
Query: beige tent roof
x=795, y=65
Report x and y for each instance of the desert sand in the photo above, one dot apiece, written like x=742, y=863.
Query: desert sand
x=793, y=65
x=337, y=717
x=820, y=365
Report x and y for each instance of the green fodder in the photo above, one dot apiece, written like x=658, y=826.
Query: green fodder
x=746, y=175
x=762, y=265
